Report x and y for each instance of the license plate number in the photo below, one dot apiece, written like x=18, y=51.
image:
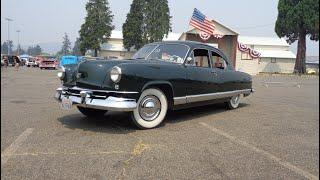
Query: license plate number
x=66, y=104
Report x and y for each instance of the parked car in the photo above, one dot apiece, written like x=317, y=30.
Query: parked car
x=38, y=60
x=29, y=60
x=47, y=63
x=12, y=59
x=159, y=77
x=69, y=60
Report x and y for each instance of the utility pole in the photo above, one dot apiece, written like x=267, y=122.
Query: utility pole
x=18, y=31
x=9, y=48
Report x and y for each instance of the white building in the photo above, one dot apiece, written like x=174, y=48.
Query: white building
x=275, y=56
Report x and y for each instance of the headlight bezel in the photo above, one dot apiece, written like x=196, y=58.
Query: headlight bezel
x=62, y=73
x=115, y=74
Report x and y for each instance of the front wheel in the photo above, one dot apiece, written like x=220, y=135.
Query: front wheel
x=151, y=109
x=234, y=102
x=91, y=112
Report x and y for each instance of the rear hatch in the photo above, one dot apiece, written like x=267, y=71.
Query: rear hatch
x=91, y=74
x=47, y=62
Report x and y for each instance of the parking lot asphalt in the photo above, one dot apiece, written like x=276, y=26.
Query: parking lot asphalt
x=272, y=135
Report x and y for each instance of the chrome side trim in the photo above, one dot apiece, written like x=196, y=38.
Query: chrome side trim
x=83, y=89
x=180, y=100
x=210, y=96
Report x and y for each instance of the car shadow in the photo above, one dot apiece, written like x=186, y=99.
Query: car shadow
x=121, y=123
x=111, y=122
x=197, y=112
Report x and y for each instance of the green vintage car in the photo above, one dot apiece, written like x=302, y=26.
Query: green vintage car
x=160, y=76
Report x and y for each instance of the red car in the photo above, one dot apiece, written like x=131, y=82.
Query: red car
x=47, y=63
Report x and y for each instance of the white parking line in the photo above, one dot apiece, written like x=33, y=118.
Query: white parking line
x=9, y=151
x=262, y=152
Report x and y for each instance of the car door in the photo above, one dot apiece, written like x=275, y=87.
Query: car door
x=201, y=78
x=227, y=78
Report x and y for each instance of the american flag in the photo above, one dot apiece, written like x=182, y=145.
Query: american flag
x=201, y=22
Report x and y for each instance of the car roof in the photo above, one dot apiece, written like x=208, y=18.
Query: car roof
x=191, y=44
x=194, y=44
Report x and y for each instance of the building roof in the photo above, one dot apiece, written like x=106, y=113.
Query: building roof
x=172, y=37
x=264, y=41
x=277, y=54
x=312, y=59
x=112, y=47
x=115, y=34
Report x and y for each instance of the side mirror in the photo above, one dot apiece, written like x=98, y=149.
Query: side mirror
x=189, y=60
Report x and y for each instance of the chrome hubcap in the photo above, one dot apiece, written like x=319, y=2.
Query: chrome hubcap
x=149, y=108
x=235, y=100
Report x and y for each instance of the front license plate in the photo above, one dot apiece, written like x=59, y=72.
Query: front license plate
x=66, y=104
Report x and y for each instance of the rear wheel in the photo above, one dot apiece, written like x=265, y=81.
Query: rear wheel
x=91, y=112
x=234, y=102
x=151, y=109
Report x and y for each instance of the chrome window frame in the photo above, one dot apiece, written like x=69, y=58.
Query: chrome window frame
x=165, y=43
x=210, y=64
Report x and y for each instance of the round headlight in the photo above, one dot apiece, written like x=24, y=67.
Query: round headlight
x=62, y=73
x=115, y=74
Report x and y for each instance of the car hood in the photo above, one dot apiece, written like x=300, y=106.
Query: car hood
x=92, y=74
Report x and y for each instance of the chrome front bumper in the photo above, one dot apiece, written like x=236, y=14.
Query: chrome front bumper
x=86, y=99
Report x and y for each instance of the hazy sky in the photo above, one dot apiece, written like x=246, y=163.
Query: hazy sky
x=45, y=21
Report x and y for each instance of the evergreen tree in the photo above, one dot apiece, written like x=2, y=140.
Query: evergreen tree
x=66, y=45
x=76, y=48
x=5, y=46
x=37, y=50
x=296, y=20
x=19, y=50
x=148, y=21
x=34, y=50
x=97, y=27
x=132, y=29
x=157, y=17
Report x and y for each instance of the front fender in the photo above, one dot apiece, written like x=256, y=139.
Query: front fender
x=155, y=83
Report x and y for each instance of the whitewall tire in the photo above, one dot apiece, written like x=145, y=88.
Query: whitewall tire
x=151, y=109
x=234, y=102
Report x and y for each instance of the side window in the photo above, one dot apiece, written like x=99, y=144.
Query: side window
x=200, y=58
x=218, y=61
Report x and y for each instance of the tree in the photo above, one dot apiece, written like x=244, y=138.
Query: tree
x=97, y=27
x=157, y=17
x=19, y=50
x=148, y=21
x=296, y=20
x=132, y=29
x=5, y=46
x=34, y=50
x=76, y=48
x=66, y=45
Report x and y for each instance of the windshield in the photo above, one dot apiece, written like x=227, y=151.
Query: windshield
x=167, y=52
x=143, y=52
x=170, y=52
